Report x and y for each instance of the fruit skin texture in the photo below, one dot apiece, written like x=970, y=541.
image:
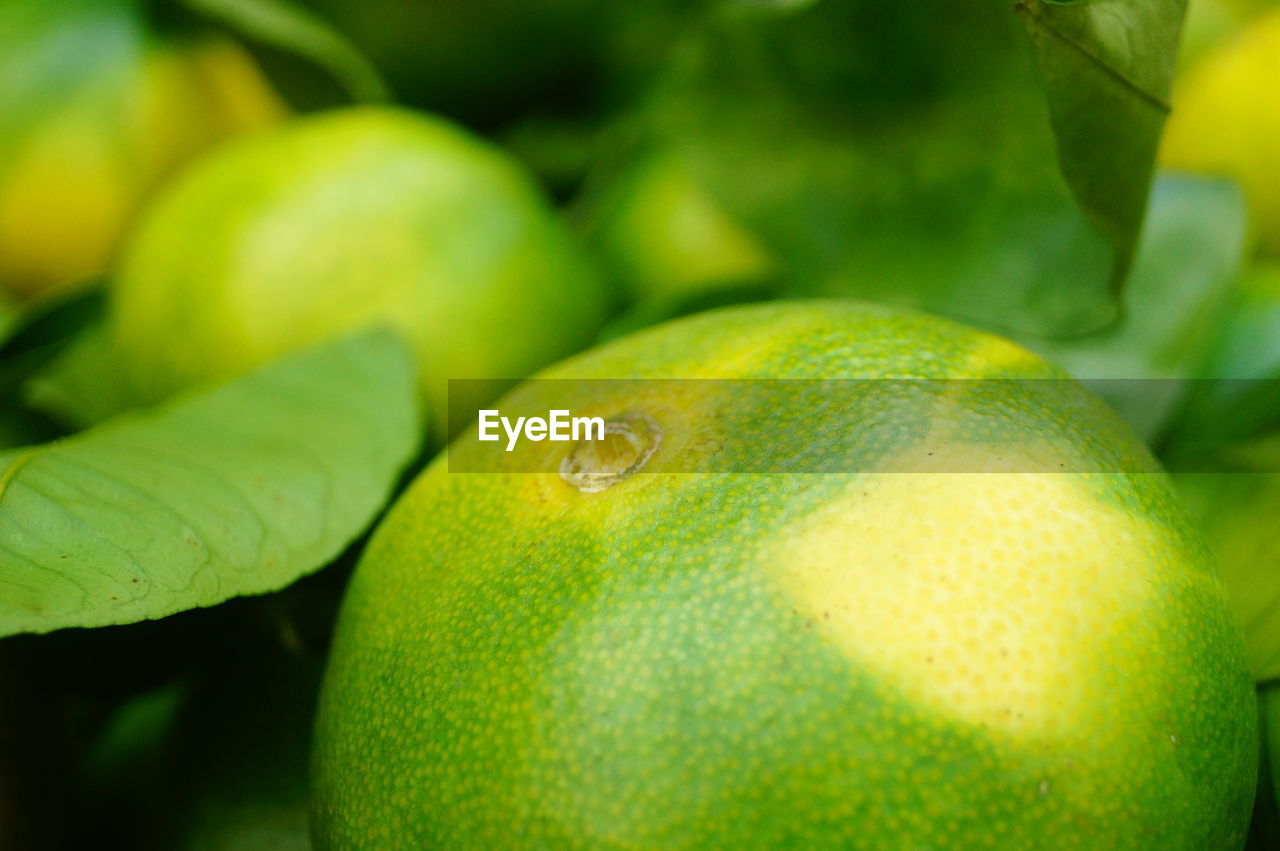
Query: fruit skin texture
x=1226, y=121
x=1237, y=510
x=94, y=114
x=295, y=236
x=855, y=660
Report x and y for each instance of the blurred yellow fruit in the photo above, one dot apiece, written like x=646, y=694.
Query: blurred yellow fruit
x=1226, y=121
x=94, y=113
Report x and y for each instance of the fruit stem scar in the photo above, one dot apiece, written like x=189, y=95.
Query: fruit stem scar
x=629, y=442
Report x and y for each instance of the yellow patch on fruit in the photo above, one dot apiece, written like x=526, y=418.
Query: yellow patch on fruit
x=984, y=596
x=994, y=354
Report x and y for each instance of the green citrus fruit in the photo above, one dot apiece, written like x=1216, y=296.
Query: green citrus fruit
x=1226, y=121
x=1236, y=499
x=953, y=644
x=664, y=237
x=290, y=237
x=95, y=112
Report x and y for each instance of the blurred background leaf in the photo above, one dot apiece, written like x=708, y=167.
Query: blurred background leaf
x=242, y=739
x=1264, y=833
x=1107, y=67
x=1177, y=297
x=1239, y=391
x=238, y=490
x=187, y=732
x=39, y=334
x=294, y=29
x=8, y=314
x=221, y=754
x=36, y=764
x=482, y=62
x=83, y=384
x=20, y=428
x=774, y=6
x=907, y=154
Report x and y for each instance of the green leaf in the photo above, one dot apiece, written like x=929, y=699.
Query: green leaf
x=242, y=761
x=41, y=332
x=778, y=7
x=1237, y=396
x=294, y=29
x=238, y=490
x=1178, y=292
x=220, y=758
x=8, y=315
x=1107, y=68
x=81, y=387
x=48, y=50
x=19, y=427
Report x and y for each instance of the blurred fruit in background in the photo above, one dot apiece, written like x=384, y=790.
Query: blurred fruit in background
x=1226, y=121
x=665, y=237
x=670, y=246
x=95, y=110
x=36, y=789
x=1207, y=22
x=239, y=746
x=338, y=220
x=218, y=749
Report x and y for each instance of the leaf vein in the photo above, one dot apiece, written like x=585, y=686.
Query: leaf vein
x=12, y=470
x=1025, y=7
